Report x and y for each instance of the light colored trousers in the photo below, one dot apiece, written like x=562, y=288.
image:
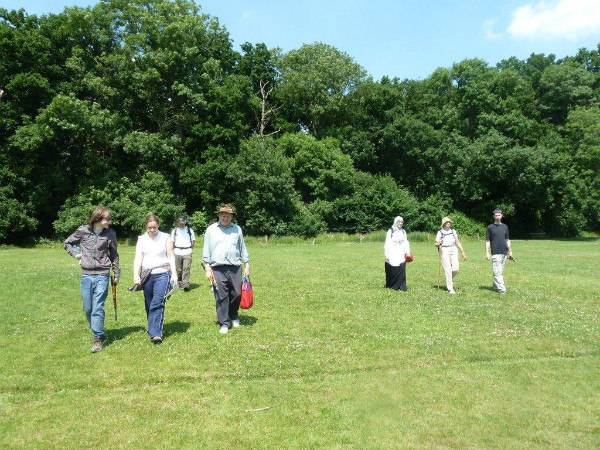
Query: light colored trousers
x=449, y=257
x=498, y=262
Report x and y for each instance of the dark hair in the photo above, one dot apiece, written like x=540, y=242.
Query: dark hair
x=151, y=217
x=99, y=213
x=497, y=211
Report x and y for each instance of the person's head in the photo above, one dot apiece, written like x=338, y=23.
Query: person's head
x=446, y=223
x=152, y=224
x=181, y=221
x=100, y=216
x=497, y=214
x=226, y=213
x=398, y=222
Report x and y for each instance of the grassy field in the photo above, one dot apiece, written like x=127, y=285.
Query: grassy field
x=326, y=359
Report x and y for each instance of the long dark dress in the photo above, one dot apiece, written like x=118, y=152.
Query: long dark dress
x=395, y=276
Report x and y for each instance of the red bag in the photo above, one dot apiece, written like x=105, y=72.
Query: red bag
x=409, y=257
x=247, y=297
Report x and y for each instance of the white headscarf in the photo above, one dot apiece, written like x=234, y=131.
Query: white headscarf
x=396, y=227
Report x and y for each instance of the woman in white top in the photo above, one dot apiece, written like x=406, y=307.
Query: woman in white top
x=447, y=241
x=154, y=253
x=395, y=248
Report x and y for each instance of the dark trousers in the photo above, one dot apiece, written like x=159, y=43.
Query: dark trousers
x=155, y=291
x=229, y=291
x=395, y=276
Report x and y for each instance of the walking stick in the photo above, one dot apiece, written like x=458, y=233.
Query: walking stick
x=439, y=266
x=113, y=287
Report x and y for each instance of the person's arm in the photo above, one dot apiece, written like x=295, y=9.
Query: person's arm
x=487, y=250
x=438, y=239
x=192, y=238
x=509, y=247
x=113, y=255
x=386, y=246
x=244, y=254
x=73, y=239
x=208, y=273
x=461, y=248
x=137, y=262
x=171, y=258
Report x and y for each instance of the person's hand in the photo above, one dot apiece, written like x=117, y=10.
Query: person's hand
x=208, y=273
x=115, y=281
x=247, y=271
x=137, y=280
x=78, y=256
x=464, y=255
x=174, y=279
x=488, y=256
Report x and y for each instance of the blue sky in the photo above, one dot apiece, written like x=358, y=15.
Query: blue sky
x=400, y=38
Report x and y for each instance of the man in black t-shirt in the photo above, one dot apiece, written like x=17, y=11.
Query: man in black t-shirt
x=497, y=248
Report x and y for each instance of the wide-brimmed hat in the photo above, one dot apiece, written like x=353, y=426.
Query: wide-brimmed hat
x=446, y=219
x=226, y=209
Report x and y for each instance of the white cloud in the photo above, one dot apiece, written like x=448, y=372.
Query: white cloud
x=488, y=30
x=559, y=19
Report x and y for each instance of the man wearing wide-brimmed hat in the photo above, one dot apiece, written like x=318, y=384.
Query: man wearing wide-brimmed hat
x=223, y=254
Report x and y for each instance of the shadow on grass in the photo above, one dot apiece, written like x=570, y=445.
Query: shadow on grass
x=245, y=321
x=121, y=333
x=488, y=288
x=169, y=329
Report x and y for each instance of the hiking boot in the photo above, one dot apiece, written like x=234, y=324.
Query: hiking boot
x=97, y=344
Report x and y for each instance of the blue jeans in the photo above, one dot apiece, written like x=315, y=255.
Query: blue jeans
x=94, y=289
x=155, y=291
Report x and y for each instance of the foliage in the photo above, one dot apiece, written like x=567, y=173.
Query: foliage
x=340, y=361
x=98, y=104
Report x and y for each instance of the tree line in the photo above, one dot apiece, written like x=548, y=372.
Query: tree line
x=145, y=106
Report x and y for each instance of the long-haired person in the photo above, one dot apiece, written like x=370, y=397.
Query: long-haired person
x=154, y=267
x=95, y=246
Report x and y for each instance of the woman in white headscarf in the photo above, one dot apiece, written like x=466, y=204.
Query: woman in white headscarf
x=395, y=248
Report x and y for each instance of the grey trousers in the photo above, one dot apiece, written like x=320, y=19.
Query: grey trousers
x=183, y=265
x=229, y=291
x=498, y=262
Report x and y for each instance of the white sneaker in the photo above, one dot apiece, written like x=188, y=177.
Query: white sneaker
x=235, y=323
x=451, y=291
x=224, y=329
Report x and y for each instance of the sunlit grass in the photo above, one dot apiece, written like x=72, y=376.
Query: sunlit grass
x=326, y=358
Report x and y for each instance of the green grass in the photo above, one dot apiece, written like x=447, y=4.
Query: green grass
x=341, y=362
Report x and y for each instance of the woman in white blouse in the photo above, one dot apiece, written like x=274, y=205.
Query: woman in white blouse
x=447, y=241
x=154, y=266
x=395, y=249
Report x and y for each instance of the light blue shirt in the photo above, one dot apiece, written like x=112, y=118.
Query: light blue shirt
x=224, y=246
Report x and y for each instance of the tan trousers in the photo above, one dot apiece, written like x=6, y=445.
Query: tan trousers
x=449, y=257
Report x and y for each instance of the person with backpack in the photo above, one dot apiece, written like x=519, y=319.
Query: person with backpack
x=95, y=246
x=183, y=242
x=447, y=243
x=396, y=248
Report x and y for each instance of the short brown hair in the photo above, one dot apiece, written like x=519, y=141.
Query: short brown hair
x=101, y=212
x=151, y=217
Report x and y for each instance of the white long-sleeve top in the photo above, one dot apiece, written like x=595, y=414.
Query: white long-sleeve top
x=396, y=246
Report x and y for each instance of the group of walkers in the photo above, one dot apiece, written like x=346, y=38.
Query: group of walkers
x=162, y=262
x=397, y=252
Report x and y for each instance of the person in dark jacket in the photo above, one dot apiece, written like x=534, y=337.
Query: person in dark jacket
x=95, y=246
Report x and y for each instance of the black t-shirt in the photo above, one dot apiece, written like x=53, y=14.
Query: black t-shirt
x=497, y=234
